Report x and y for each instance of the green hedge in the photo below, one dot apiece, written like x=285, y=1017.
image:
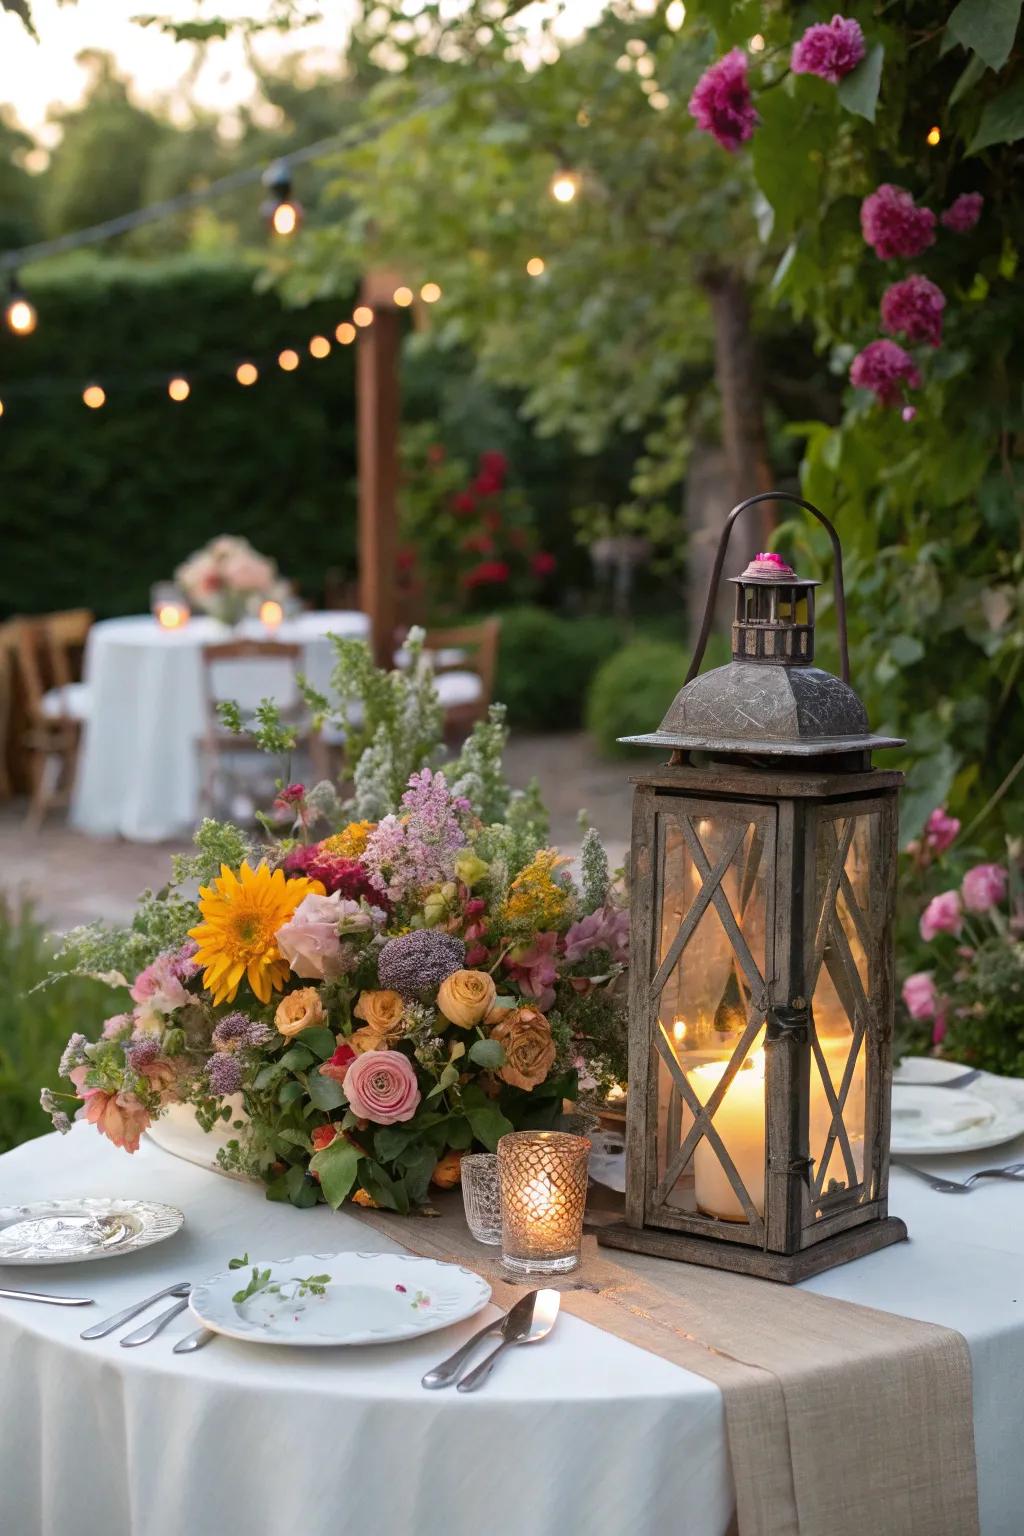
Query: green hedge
x=632, y=691
x=97, y=505
x=546, y=663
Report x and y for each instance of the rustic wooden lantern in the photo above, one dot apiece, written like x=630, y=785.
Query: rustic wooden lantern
x=763, y=878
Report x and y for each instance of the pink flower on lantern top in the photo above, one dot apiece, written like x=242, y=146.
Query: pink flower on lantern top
x=893, y=225
x=984, y=887
x=886, y=369
x=940, y=830
x=721, y=104
x=381, y=1086
x=914, y=308
x=943, y=914
x=963, y=213
x=768, y=563
x=920, y=995
x=831, y=49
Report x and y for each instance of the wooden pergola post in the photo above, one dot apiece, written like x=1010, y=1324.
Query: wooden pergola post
x=377, y=414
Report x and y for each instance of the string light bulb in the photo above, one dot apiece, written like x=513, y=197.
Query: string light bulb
x=564, y=186
x=247, y=373
x=535, y=266
x=430, y=293
x=362, y=315
x=319, y=346
x=20, y=313
x=933, y=136
x=94, y=396
x=757, y=43
x=179, y=389
x=346, y=333
x=1, y=407
x=403, y=297
x=288, y=360
x=280, y=208
x=675, y=15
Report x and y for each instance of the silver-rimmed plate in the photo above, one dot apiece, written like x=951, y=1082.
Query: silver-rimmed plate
x=361, y=1298
x=71, y=1231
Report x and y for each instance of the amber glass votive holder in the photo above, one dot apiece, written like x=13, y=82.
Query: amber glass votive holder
x=543, y=1184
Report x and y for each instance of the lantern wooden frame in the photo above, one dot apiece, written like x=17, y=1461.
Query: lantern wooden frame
x=805, y=814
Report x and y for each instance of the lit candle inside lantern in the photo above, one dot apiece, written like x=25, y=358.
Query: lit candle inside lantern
x=740, y=1122
x=543, y=1178
x=271, y=613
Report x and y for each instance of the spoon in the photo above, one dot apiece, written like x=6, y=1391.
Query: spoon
x=527, y=1329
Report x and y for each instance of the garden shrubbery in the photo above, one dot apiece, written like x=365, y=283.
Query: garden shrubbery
x=632, y=691
x=546, y=664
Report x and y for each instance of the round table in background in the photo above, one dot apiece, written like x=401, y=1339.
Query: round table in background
x=583, y=1435
x=138, y=772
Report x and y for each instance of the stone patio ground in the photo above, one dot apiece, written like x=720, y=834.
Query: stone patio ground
x=76, y=879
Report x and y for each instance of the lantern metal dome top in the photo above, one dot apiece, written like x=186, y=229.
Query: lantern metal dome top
x=770, y=699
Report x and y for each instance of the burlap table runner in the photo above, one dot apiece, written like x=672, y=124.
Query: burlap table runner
x=841, y=1420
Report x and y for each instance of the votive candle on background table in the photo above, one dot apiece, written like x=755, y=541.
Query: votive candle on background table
x=169, y=606
x=543, y=1179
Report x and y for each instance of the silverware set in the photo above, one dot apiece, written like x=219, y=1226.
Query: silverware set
x=1014, y=1172
x=530, y=1320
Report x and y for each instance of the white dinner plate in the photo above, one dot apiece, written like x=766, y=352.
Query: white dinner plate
x=928, y=1119
x=370, y=1298
x=71, y=1231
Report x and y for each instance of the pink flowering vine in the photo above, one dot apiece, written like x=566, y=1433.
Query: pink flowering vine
x=893, y=225
x=721, y=103
x=830, y=49
x=963, y=213
x=913, y=308
x=886, y=369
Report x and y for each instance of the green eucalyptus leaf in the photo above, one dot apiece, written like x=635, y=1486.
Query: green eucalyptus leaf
x=487, y=1053
x=290, y=1091
x=296, y=1059
x=324, y=1092
x=1002, y=121
x=858, y=91
x=337, y=1166
x=320, y=1040
x=968, y=80
x=987, y=26
x=489, y=1124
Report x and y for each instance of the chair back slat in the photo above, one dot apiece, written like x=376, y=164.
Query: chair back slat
x=480, y=641
x=65, y=636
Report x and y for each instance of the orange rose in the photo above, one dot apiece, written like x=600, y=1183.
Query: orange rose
x=298, y=1011
x=525, y=1036
x=383, y=1012
x=448, y=1171
x=367, y=1039
x=466, y=997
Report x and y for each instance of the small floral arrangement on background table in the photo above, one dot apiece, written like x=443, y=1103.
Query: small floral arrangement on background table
x=228, y=579
x=386, y=983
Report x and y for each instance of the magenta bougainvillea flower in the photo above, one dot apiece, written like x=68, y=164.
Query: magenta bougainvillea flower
x=893, y=225
x=963, y=213
x=886, y=369
x=831, y=49
x=721, y=103
x=913, y=308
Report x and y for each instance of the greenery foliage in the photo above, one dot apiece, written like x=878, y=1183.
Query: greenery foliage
x=545, y=664
x=632, y=691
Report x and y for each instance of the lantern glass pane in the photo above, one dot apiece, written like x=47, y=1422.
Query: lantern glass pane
x=709, y=1002
x=841, y=1001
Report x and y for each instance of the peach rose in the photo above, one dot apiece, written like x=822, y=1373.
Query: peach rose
x=467, y=997
x=298, y=1011
x=367, y=1039
x=525, y=1036
x=383, y=1012
x=448, y=1172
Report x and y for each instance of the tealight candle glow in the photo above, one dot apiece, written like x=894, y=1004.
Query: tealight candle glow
x=271, y=613
x=543, y=1177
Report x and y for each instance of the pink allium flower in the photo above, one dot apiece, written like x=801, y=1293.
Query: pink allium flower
x=920, y=995
x=886, y=369
x=963, y=213
x=893, y=225
x=914, y=308
x=158, y=988
x=940, y=830
x=381, y=1086
x=721, y=104
x=534, y=967
x=984, y=887
x=831, y=49
x=941, y=915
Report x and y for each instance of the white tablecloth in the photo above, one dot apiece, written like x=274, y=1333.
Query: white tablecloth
x=138, y=775
x=581, y=1436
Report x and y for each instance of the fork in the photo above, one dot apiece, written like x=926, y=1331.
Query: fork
x=1013, y=1171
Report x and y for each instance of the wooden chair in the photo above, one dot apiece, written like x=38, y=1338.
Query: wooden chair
x=48, y=653
x=217, y=742
x=8, y=665
x=465, y=662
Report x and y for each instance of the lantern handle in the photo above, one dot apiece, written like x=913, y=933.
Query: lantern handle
x=716, y=573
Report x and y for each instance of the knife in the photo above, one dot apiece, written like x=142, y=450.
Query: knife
x=444, y=1374
x=529, y=1329
x=100, y=1330
x=56, y=1301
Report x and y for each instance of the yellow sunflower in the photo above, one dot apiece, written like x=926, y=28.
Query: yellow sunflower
x=242, y=915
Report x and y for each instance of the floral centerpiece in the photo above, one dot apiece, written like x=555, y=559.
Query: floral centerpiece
x=228, y=578
x=386, y=984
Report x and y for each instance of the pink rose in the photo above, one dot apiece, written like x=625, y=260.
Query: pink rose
x=311, y=941
x=830, y=49
x=940, y=830
x=963, y=213
x=920, y=995
x=381, y=1086
x=721, y=103
x=158, y=988
x=941, y=915
x=984, y=887
x=247, y=571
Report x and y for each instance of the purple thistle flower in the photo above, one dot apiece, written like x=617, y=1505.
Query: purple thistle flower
x=224, y=1074
x=721, y=104
x=893, y=225
x=914, y=308
x=141, y=1050
x=831, y=49
x=963, y=213
x=235, y=1031
x=419, y=961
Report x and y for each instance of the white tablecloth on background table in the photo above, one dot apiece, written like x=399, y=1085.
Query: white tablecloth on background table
x=583, y=1435
x=138, y=774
